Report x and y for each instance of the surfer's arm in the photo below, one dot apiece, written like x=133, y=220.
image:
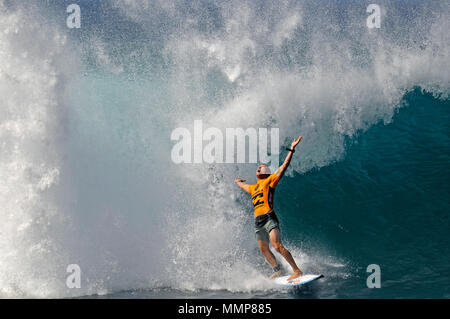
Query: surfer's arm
x=241, y=184
x=280, y=171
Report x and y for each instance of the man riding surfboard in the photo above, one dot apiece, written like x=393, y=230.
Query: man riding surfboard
x=266, y=222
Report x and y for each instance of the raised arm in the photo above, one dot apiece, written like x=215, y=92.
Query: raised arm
x=241, y=184
x=280, y=171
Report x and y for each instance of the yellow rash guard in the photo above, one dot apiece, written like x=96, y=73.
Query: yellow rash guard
x=262, y=194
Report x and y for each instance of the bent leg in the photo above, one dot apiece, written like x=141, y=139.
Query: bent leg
x=275, y=238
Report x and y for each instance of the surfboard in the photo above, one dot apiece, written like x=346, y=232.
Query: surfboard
x=302, y=280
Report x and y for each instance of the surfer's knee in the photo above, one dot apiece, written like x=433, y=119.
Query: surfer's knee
x=278, y=246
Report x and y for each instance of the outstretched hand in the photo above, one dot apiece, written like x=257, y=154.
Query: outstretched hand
x=295, y=142
x=238, y=180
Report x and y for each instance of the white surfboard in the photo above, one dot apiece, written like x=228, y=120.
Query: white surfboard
x=282, y=281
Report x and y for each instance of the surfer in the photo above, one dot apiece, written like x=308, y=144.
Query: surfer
x=266, y=222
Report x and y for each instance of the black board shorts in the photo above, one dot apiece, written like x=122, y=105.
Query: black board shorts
x=264, y=224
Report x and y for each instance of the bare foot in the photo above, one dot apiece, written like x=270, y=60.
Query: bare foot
x=275, y=274
x=297, y=273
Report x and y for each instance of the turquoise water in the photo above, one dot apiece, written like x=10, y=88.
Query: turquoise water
x=386, y=203
x=85, y=140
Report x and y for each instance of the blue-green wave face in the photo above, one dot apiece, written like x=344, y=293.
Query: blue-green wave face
x=86, y=119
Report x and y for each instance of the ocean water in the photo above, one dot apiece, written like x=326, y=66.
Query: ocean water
x=86, y=117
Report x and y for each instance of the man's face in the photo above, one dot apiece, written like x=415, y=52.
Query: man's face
x=258, y=171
